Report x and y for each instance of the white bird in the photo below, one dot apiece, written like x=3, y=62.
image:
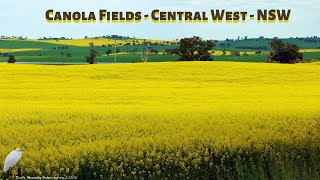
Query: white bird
x=12, y=159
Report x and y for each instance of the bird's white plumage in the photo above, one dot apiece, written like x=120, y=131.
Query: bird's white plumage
x=12, y=159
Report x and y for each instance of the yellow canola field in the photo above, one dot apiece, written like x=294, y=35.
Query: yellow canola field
x=157, y=120
x=19, y=50
x=97, y=41
x=309, y=50
x=219, y=53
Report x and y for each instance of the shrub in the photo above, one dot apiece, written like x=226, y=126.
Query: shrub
x=258, y=52
x=108, y=52
x=235, y=53
x=11, y=59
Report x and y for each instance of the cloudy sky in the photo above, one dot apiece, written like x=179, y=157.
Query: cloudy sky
x=27, y=18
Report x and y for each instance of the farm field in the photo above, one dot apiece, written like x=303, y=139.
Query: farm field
x=75, y=50
x=176, y=120
x=97, y=41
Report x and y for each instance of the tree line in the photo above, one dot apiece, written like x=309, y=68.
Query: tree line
x=197, y=49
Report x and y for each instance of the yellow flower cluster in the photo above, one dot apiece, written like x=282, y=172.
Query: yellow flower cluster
x=19, y=50
x=194, y=120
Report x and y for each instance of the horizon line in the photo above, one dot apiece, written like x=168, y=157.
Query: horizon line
x=133, y=37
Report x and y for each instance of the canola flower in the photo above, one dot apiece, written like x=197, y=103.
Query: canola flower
x=195, y=120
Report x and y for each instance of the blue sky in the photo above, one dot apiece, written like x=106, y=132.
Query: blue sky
x=27, y=18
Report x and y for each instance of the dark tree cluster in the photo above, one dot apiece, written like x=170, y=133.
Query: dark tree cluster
x=108, y=52
x=115, y=37
x=153, y=51
x=194, y=49
x=283, y=53
x=61, y=47
x=11, y=59
x=170, y=51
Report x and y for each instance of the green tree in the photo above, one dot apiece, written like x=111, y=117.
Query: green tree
x=283, y=53
x=11, y=59
x=194, y=49
x=108, y=52
x=91, y=58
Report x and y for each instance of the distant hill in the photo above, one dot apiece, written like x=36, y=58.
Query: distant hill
x=129, y=49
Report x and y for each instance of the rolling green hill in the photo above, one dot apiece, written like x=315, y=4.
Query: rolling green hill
x=27, y=50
